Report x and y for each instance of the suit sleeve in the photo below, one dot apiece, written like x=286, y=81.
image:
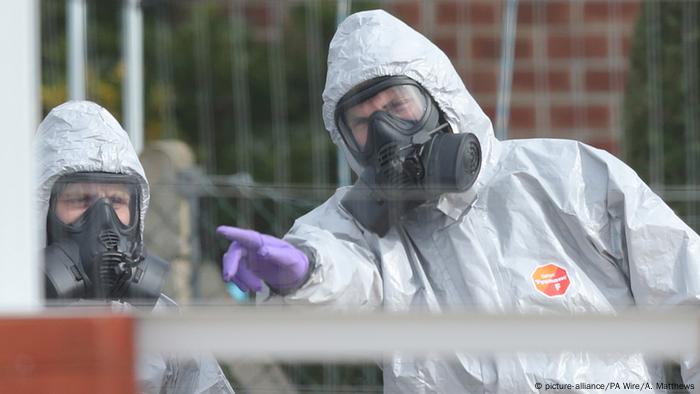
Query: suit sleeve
x=660, y=251
x=345, y=272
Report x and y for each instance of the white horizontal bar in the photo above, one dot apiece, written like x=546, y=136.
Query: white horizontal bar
x=311, y=335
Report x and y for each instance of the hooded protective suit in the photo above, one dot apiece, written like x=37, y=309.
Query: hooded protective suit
x=81, y=136
x=550, y=226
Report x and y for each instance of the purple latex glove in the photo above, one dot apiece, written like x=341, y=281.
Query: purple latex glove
x=254, y=257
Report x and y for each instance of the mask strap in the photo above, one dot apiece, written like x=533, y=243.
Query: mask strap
x=423, y=136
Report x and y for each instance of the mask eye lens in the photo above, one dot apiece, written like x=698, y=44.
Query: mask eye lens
x=73, y=201
x=405, y=102
x=77, y=201
x=119, y=199
x=75, y=198
x=359, y=130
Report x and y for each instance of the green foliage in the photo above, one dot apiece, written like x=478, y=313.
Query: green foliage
x=675, y=94
x=190, y=81
x=103, y=66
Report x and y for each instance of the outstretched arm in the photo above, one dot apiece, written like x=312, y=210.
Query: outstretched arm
x=323, y=260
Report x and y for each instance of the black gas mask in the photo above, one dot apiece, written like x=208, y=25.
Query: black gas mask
x=394, y=129
x=94, y=247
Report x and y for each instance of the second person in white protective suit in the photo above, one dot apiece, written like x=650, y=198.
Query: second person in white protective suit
x=524, y=226
x=92, y=197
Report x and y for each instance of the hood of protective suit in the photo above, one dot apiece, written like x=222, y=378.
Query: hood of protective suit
x=81, y=136
x=372, y=44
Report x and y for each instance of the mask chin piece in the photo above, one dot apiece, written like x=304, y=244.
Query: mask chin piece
x=119, y=278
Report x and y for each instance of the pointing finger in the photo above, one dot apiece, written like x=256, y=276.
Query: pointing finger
x=248, y=238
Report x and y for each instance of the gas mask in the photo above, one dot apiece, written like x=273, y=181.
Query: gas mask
x=94, y=246
x=393, y=128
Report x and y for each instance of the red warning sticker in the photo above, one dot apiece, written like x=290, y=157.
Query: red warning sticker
x=551, y=280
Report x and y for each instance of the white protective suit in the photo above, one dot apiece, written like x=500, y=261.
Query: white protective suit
x=81, y=136
x=611, y=242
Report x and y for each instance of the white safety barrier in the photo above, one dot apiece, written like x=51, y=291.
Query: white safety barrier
x=303, y=334
x=19, y=115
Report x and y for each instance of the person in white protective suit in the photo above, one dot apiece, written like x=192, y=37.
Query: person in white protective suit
x=524, y=226
x=92, y=199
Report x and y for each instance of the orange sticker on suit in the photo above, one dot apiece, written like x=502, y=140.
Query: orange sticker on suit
x=551, y=280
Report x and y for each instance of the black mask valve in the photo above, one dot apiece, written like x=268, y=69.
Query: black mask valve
x=114, y=268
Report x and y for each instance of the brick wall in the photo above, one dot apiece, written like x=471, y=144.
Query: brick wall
x=570, y=60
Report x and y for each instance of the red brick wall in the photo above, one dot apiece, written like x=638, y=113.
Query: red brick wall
x=64, y=354
x=570, y=60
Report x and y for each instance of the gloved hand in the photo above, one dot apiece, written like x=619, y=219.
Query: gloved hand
x=253, y=257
